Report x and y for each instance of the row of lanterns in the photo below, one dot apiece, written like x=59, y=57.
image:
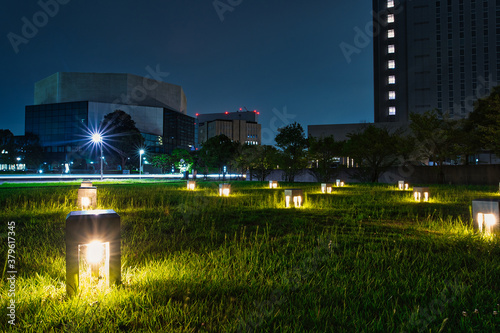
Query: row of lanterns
x=93, y=236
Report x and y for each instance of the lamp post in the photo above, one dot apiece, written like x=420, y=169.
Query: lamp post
x=140, y=162
x=97, y=139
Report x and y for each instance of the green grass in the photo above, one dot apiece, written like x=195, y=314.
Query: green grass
x=365, y=258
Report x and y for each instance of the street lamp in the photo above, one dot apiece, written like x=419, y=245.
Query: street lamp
x=140, y=162
x=97, y=139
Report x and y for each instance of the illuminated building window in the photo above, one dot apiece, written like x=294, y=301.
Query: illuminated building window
x=392, y=110
x=390, y=33
x=391, y=49
x=391, y=64
x=390, y=3
x=392, y=95
x=390, y=18
x=391, y=79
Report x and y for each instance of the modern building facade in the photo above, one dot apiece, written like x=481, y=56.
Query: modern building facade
x=69, y=105
x=239, y=126
x=439, y=54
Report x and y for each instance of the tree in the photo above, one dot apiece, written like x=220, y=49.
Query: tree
x=483, y=123
x=374, y=151
x=218, y=152
x=30, y=149
x=258, y=160
x=7, y=147
x=122, y=137
x=323, y=151
x=292, y=143
x=162, y=161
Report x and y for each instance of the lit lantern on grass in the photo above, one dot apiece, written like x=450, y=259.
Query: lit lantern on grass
x=402, y=186
x=93, y=256
x=339, y=183
x=273, y=184
x=224, y=190
x=87, y=196
x=421, y=193
x=191, y=184
x=486, y=214
x=294, y=195
x=326, y=188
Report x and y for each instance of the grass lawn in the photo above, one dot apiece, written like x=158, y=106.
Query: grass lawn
x=366, y=258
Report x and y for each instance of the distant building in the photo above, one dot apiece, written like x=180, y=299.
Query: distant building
x=239, y=126
x=67, y=105
x=433, y=55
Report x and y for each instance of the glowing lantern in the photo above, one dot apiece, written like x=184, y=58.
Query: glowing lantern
x=403, y=186
x=295, y=196
x=339, y=183
x=191, y=184
x=87, y=196
x=93, y=255
x=421, y=193
x=326, y=188
x=273, y=184
x=486, y=214
x=224, y=190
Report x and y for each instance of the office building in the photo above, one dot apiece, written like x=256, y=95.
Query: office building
x=440, y=54
x=239, y=126
x=69, y=105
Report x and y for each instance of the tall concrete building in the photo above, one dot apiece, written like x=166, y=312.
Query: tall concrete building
x=67, y=105
x=238, y=126
x=434, y=54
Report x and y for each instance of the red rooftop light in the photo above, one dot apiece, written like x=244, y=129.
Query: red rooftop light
x=226, y=112
x=197, y=114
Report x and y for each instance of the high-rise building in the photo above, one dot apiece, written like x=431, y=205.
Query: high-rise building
x=68, y=105
x=434, y=54
x=239, y=126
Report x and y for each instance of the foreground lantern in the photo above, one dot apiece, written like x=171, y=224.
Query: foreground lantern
x=93, y=256
x=191, y=184
x=402, y=186
x=421, y=193
x=224, y=190
x=326, y=188
x=273, y=184
x=339, y=183
x=486, y=214
x=87, y=196
x=294, y=195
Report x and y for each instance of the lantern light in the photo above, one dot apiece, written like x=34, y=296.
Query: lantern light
x=486, y=214
x=191, y=185
x=402, y=186
x=295, y=196
x=273, y=184
x=87, y=196
x=339, y=183
x=93, y=255
x=326, y=188
x=224, y=189
x=421, y=194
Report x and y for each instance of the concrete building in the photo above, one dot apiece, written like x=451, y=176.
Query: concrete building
x=434, y=55
x=67, y=105
x=239, y=126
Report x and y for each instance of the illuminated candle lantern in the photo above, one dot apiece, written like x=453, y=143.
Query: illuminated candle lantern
x=273, y=184
x=93, y=255
x=294, y=195
x=224, y=190
x=191, y=184
x=486, y=214
x=87, y=196
x=421, y=193
x=337, y=182
x=341, y=184
x=326, y=188
x=401, y=185
x=407, y=186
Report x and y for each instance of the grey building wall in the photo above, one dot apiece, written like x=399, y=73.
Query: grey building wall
x=447, y=55
x=125, y=89
x=340, y=131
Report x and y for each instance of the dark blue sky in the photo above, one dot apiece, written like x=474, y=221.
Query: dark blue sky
x=279, y=57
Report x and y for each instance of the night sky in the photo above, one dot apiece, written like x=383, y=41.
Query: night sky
x=279, y=57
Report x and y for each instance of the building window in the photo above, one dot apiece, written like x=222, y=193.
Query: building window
x=392, y=110
x=391, y=64
x=390, y=33
x=392, y=95
x=390, y=18
x=391, y=49
x=391, y=79
x=390, y=3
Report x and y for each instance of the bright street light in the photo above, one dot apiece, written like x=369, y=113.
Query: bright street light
x=140, y=162
x=97, y=139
